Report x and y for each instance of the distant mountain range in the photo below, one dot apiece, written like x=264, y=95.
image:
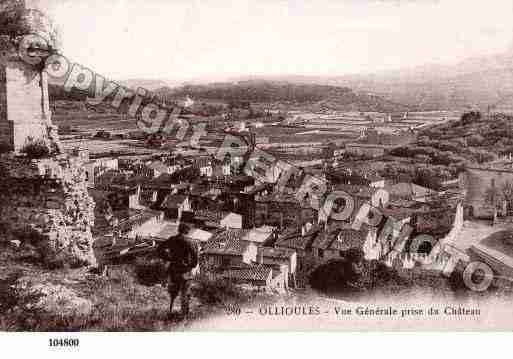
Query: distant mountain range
x=477, y=83
x=474, y=83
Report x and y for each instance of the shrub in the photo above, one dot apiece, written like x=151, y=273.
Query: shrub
x=150, y=271
x=352, y=275
x=217, y=291
x=16, y=307
x=475, y=140
x=36, y=149
x=470, y=117
x=5, y=148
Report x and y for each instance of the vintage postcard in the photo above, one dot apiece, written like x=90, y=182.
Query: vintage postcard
x=275, y=165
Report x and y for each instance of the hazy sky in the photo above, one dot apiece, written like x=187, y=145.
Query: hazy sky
x=179, y=39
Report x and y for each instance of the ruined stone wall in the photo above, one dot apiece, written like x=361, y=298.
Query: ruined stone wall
x=46, y=203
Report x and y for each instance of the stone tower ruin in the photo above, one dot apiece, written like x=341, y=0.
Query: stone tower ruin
x=24, y=100
x=44, y=200
x=24, y=105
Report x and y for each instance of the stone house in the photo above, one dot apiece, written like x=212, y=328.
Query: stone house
x=281, y=259
x=97, y=167
x=261, y=236
x=158, y=168
x=363, y=177
x=278, y=256
x=138, y=223
x=253, y=275
x=232, y=220
x=299, y=241
x=204, y=164
x=281, y=209
x=333, y=243
x=226, y=249
x=208, y=219
x=123, y=197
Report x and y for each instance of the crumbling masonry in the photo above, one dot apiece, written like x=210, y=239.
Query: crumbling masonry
x=43, y=201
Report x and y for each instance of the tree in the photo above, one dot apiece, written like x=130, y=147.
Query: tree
x=494, y=197
x=470, y=117
x=16, y=21
x=352, y=274
x=507, y=193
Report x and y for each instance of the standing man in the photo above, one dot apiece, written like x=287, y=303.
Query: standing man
x=182, y=257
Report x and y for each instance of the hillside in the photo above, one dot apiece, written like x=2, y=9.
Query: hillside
x=333, y=97
x=442, y=151
x=243, y=93
x=132, y=297
x=475, y=82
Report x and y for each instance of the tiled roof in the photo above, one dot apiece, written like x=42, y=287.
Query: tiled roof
x=259, y=235
x=284, y=253
x=168, y=230
x=323, y=240
x=199, y=235
x=340, y=239
x=232, y=217
x=346, y=239
x=131, y=218
x=227, y=242
x=294, y=239
x=214, y=216
x=250, y=273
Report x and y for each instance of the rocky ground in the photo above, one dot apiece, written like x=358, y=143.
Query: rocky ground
x=33, y=298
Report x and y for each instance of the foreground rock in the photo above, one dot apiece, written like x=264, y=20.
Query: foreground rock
x=45, y=202
x=55, y=299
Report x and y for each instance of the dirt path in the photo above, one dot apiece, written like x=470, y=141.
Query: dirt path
x=475, y=231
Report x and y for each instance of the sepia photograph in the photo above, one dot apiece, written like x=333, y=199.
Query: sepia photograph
x=253, y=166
